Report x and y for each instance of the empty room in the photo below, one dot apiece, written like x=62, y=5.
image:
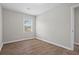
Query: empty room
x=39, y=29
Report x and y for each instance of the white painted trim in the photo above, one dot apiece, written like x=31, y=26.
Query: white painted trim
x=72, y=28
x=1, y=45
x=74, y=6
x=17, y=40
x=40, y=38
x=0, y=49
x=76, y=43
x=72, y=25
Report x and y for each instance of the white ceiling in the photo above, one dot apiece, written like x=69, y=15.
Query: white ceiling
x=35, y=8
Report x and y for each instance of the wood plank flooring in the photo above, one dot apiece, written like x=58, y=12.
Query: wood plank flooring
x=35, y=47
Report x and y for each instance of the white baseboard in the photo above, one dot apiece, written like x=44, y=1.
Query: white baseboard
x=40, y=38
x=54, y=43
x=17, y=40
x=76, y=43
x=1, y=45
x=0, y=49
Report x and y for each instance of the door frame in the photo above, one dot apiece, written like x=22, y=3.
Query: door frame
x=72, y=35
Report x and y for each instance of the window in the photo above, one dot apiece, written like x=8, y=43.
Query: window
x=28, y=24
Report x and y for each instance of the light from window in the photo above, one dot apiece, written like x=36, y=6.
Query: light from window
x=28, y=25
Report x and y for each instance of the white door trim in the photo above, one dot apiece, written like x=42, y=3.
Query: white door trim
x=72, y=25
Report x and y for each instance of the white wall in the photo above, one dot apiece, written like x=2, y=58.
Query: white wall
x=54, y=26
x=13, y=26
x=77, y=25
x=0, y=27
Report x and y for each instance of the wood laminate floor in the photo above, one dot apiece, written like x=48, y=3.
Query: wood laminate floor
x=35, y=47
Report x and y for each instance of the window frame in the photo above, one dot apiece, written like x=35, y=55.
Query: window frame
x=24, y=25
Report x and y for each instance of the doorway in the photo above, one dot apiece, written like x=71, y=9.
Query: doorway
x=75, y=25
